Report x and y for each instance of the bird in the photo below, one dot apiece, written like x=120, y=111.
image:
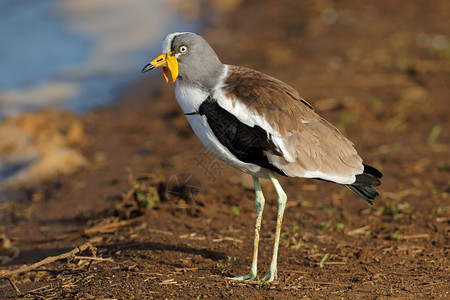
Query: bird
x=261, y=126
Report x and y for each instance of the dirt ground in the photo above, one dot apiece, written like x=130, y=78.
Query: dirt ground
x=170, y=221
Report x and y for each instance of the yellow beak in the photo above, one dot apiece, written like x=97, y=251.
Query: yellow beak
x=165, y=61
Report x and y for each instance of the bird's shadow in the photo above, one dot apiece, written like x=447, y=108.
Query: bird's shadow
x=108, y=250
x=142, y=246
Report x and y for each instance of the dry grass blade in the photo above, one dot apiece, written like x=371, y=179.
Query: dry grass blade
x=228, y=239
x=359, y=231
x=110, y=227
x=109, y=259
x=160, y=231
x=415, y=236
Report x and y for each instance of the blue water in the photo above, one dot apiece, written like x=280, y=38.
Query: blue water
x=34, y=45
x=74, y=55
x=49, y=42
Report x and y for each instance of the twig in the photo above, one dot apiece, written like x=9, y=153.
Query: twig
x=93, y=258
x=7, y=273
x=50, y=259
x=230, y=239
x=14, y=285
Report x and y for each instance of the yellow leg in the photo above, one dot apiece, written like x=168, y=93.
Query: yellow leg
x=281, y=201
x=259, y=204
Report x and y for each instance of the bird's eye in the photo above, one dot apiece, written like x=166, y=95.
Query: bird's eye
x=182, y=49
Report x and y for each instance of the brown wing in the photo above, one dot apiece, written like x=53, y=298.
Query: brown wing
x=311, y=146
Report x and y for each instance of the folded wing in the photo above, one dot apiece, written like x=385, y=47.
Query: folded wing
x=287, y=134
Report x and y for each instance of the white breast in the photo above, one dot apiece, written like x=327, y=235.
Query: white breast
x=190, y=98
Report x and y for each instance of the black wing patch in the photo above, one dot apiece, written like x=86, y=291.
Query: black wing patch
x=247, y=143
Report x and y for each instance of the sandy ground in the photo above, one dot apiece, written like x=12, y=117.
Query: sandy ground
x=170, y=221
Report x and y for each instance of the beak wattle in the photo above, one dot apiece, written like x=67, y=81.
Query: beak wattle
x=166, y=61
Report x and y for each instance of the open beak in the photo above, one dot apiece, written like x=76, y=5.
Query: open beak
x=167, y=62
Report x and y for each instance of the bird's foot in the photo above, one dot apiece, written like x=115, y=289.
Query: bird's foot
x=271, y=276
x=249, y=277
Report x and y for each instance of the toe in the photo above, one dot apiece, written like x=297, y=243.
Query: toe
x=271, y=276
x=249, y=277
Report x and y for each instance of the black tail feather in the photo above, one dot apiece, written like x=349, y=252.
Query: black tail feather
x=364, y=182
x=371, y=177
x=372, y=171
x=368, y=193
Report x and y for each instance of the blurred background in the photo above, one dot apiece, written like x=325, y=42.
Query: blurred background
x=77, y=54
x=71, y=56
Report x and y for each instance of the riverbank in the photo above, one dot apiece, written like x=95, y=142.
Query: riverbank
x=167, y=226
